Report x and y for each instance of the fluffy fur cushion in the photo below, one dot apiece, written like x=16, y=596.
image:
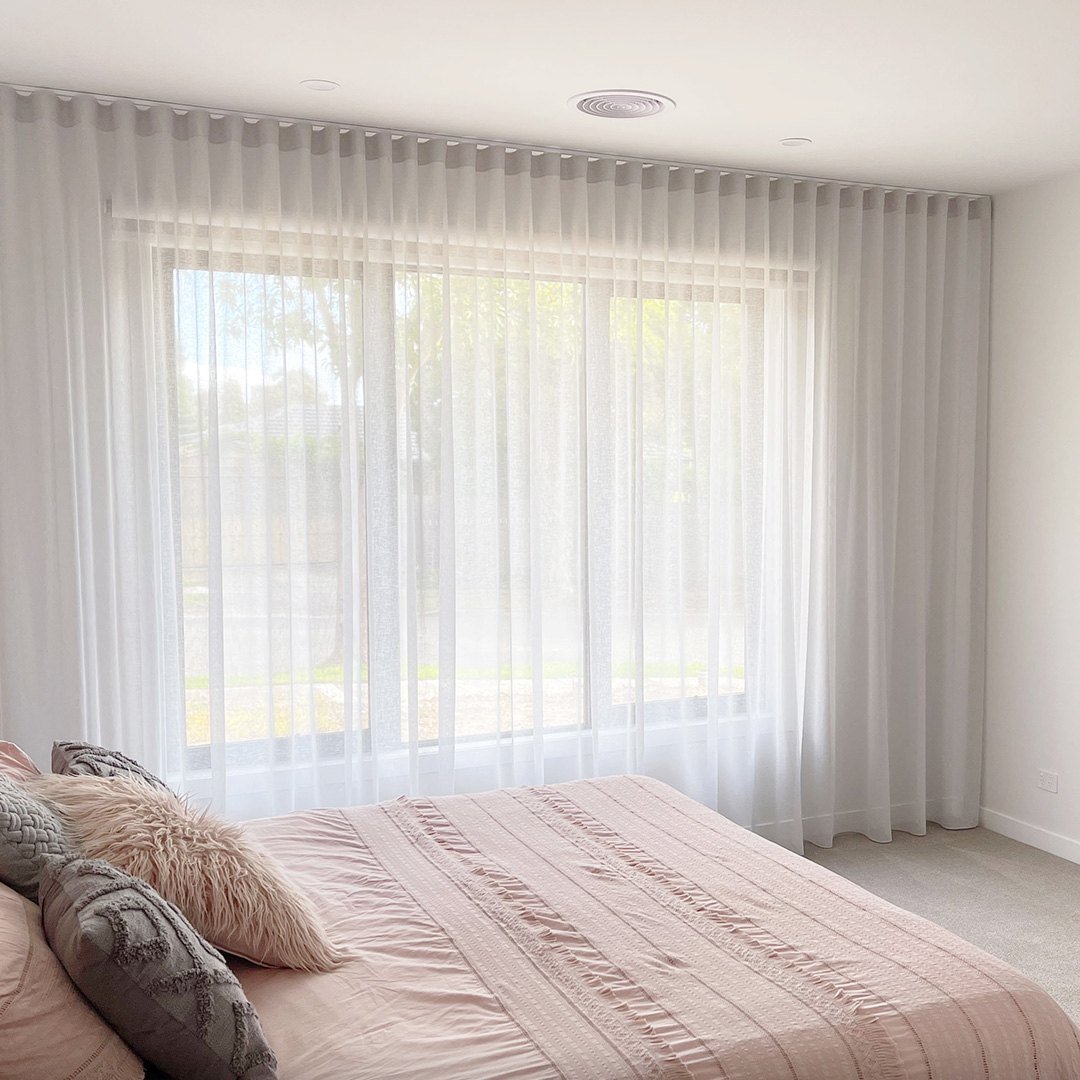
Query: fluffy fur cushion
x=237, y=896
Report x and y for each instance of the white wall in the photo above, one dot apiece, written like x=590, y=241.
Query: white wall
x=1033, y=662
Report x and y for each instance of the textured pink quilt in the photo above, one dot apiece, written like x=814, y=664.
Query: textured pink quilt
x=615, y=930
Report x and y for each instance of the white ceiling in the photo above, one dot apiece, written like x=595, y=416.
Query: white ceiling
x=969, y=95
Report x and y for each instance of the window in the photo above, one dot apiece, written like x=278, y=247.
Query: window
x=477, y=521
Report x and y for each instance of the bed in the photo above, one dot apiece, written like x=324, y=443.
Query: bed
x=613, y=929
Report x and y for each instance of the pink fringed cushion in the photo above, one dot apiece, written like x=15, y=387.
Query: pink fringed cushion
x=16, y=763
x=236, y=895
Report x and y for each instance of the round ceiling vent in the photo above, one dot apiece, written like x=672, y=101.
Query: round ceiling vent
x=621, y=104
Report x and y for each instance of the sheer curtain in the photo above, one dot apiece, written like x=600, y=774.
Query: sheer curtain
x=342, y=465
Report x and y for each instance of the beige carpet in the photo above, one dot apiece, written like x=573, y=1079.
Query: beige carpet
x=1014, y=901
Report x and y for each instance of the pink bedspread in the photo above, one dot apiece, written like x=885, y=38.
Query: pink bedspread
x=615, y=930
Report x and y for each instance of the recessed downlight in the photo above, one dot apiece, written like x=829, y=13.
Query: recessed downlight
x=323, y=86
x=796, y=142
x=621, y=104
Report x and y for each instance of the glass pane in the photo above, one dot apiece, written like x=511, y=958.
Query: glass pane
x=505, y=352
x=259, y=362
x=677, y=365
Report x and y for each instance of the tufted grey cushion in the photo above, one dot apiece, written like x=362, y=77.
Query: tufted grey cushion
x=29, y=831
x=167, y=992
x=86, y=759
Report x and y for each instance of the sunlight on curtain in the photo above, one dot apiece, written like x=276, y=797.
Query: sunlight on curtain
x=428, y=467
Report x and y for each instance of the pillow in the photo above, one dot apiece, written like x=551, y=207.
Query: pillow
x=236, y=895
x=86, y=759
x=29, y=830
x=47, y=1030
x=168, y=993
x=16, y=763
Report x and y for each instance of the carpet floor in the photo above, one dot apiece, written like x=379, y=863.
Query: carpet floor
x=1014, y=901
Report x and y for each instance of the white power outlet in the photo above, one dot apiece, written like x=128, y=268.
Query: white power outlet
x=1047, y=781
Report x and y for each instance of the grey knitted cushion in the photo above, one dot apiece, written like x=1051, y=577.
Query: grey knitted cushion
x=29, y=831
x=166, y=991
x=86, y=759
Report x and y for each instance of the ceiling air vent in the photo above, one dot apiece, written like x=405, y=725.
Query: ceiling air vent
x=621, y=104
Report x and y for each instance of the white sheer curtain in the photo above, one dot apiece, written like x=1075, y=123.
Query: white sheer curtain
x=337, y=466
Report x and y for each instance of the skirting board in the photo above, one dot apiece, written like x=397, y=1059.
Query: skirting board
x=1056, y=844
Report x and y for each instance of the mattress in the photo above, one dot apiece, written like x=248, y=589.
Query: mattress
x=613, y=929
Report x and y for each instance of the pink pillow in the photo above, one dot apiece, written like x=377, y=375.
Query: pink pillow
x=47, y=1028
x=16, y=763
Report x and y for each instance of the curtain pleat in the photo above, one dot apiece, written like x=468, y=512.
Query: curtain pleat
x=339, y=466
